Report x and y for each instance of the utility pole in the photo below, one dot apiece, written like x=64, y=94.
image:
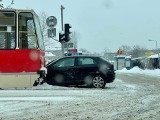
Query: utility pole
x=62, y=8
x=62, y=43
x=156, y=44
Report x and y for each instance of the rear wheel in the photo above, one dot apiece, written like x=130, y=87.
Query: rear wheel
x=99, y=82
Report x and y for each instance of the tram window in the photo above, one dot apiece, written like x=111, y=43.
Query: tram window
x=27, y=32
x=7, y=30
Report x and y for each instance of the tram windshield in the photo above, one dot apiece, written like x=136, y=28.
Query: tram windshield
x=7, y=30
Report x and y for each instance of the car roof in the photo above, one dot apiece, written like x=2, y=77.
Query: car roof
x=75, y=56
x=80, y=56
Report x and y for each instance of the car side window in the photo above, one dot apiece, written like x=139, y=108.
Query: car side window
x=68, y=62
x=86, y=61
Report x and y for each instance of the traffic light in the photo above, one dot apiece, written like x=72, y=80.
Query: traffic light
x=61, y=37
x=67, y=32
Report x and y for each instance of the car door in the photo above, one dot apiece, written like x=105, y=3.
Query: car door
x=85, y=66
x=65, y=67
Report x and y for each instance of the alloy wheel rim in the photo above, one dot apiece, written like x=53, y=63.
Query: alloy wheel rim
x=98, y=82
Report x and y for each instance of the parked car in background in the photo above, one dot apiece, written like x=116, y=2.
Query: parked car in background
x=80, y=70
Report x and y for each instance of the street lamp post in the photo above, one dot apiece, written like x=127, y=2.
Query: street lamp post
x=62, y=43
x=62, y=8
x=154, y=41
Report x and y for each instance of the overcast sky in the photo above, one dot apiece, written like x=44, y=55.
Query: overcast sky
x=101, y=24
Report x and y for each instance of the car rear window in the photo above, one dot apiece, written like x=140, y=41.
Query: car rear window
x=86, y=61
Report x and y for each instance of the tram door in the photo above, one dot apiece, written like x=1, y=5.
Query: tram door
x=27, y=32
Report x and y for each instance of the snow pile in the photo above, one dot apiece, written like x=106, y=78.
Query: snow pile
x=55, y=98
x=46, y=86
x=154, y=56
x=133, y=70
x=137, y=70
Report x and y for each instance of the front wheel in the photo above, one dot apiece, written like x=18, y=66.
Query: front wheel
x=98, y=82
x=95, y=81
x=58, y=79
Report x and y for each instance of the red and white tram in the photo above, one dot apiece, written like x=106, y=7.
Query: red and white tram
x=21, y=48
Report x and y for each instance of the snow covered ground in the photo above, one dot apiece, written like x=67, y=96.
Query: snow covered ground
x=120, y=100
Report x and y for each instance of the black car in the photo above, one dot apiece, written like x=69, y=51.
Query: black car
x=80, y=70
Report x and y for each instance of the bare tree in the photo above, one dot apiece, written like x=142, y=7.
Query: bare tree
x=108, y=55
x=48, y=42
x=137, y=51
x=126, y=49
x=106, y=50
x=43, y=16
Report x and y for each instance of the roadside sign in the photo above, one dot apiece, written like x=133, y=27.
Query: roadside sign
x=51, y=32
x=51, y=21
x=70, y=45
x=149, y=53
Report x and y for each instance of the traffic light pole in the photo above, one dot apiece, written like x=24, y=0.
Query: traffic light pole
x=62, y=43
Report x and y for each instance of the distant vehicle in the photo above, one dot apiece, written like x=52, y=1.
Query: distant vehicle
x=80, y=70
x=21, y=48
x=72, y=52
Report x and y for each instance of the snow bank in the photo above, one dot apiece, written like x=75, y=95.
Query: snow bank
x=137, y=70
x=57, y=98
x=46, y=86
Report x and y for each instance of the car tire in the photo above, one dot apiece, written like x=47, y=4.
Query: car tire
x=98, y=82
x=58, y=79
